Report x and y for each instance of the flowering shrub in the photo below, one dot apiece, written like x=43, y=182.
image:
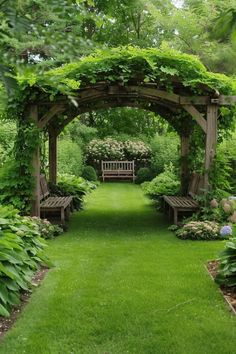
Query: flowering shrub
x=226, y=231
x=112, y=149
x=45, y=228
x=21, y=250
x=107, y=149
x=199, y=230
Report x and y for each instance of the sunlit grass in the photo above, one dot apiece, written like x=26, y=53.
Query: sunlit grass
x=123, y=283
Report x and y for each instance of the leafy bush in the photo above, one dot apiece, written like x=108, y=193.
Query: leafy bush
x=227, y=265
x=164, y=152
x=69, y=185
x=70, y=157
x=200, y=230
x=13, y=190
x=21, y=251
x=89, y=174
x=46, y=229
x=166, y=183
x=144, y=174
x=218, y=209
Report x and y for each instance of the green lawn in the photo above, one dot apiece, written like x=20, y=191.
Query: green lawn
x=123, y=283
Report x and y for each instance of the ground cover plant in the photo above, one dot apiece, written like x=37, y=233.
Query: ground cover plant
x=200, y=230
x=128, y=285
x=21, y=253
x=166, y=183
x=70, y=185
x=226, y=271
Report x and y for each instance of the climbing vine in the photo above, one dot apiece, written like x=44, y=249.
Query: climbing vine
x=125, y=65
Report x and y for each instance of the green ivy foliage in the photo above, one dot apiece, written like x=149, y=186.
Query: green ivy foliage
x=124, y=65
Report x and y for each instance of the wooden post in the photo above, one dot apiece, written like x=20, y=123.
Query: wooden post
x=35, y=210
x=52, y=155
x=184, y=169
x=211, y=141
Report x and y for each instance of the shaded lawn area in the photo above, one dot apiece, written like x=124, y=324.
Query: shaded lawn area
x=123, y=283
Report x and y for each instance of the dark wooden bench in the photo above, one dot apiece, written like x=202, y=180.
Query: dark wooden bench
x=118, y=170
x=184, y=204
x=57, y=205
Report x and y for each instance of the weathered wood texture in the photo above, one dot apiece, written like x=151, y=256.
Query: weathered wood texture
x=118, y=170
x=177, y=204
x=52, y=155
x=197, y=116
x=211, y=141
x=58, y=205
x=184, y=168
x=35, y=209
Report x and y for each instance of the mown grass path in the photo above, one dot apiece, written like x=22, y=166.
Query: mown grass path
x=123, y=283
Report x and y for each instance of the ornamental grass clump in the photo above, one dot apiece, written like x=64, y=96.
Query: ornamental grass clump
x=199, y=230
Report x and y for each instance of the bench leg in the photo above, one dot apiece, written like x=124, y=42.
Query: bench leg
x=170, y=213
x=63, y=216
x=175, y=216
x=67, y=213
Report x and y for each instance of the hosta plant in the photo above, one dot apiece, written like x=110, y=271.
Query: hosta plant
x=70, y=185
x=227, y=265
x=21, y=253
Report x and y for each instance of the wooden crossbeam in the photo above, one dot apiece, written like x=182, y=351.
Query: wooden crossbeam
x=197, y=116
x=50, y=114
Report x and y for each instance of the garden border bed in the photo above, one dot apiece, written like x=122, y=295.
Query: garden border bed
x=6, y=323
x=229, y=293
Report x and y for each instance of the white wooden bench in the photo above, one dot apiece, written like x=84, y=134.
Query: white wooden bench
x=60, y=205
x=118, y=170
x=184, y=204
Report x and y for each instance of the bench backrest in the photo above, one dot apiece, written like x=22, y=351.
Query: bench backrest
x=195, y=184
x=44, y=191
x=117, y=166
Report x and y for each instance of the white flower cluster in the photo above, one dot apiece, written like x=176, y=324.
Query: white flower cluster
x=112, y=149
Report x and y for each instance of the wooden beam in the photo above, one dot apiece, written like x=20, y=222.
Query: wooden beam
x=226, y=100
x=184, y=168
x=52, y=155
x=197, y=116
x=35, y=209
x=50, y=114
x=211, y=141
x=195, y=100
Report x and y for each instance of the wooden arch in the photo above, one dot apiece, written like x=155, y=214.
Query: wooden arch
x=203, y=110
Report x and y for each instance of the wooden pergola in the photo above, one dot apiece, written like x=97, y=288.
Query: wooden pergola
x=204, y=111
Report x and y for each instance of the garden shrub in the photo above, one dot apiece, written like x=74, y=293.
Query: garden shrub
x=200, y=230
x=214, y=207
x=143, y=174
x=69, y=185
x=46, y=229
x=166, y=183
x=227, y=265
x=164, y=151
x=70, y=157
x=114, y=149
x=21, y=252
x=90, y=174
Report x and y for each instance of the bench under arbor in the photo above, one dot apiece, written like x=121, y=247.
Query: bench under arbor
x=118, y=170
x=54, y=206
x=175, y=204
